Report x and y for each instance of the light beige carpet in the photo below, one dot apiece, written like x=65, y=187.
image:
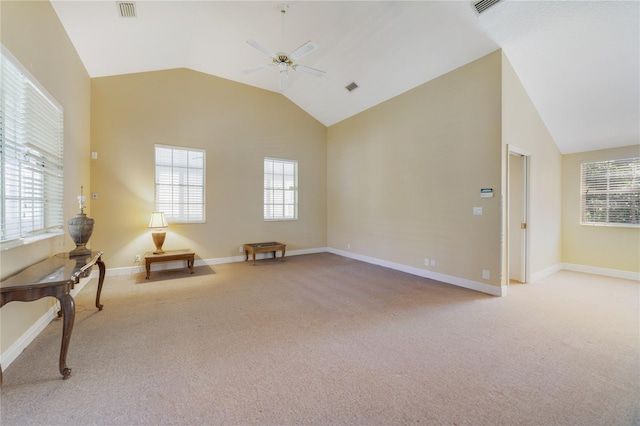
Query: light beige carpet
x=321, y=339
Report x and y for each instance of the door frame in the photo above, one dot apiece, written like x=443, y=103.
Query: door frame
x=525, y=249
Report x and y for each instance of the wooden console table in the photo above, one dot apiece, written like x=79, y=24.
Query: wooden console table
x=254, y=248
x=168, y=256
x=54, y=277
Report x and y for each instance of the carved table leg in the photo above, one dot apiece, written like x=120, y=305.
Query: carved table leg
x=69, y=314
x=148, y=267
x=102, y=268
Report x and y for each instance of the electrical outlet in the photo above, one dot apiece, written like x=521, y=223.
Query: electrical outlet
x=426, y=262
x=486, y=274
x=348, y=246
x=241, y=250
x=433, y=263
x=137, y=258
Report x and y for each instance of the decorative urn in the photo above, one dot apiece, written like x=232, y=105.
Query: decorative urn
x=80, y=230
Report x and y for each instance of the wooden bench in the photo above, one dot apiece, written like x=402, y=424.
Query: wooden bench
x=254, y=248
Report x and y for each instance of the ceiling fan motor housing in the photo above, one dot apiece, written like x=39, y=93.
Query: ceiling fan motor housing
x=283, y=57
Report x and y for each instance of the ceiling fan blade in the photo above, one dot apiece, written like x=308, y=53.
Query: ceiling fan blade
x=308, y=70
x=263, y=49
x=261, y=67
x=303, y=50
x=284, y=80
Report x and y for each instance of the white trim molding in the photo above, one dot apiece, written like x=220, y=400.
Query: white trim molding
x=540, y=275
x=448, y=279
x=615, y=273
x=204, y=262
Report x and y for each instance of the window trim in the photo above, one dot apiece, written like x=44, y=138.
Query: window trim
x=170, y=218
x=633, y=188
x=295, y=191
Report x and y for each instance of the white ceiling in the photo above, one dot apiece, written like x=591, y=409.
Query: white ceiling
x=578, y=60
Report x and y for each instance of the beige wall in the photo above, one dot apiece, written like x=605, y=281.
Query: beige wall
x=404, y=176
x=605, y=247
x=522, y=127
x=237, y=125
x=33, y=34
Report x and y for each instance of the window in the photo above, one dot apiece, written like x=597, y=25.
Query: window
x=31, y=154
x=280, y=189
x=611, y=192
x=180, y=183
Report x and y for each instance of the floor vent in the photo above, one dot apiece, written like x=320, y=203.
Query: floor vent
x=127, y=9
x=351, y=87
x=483, y=5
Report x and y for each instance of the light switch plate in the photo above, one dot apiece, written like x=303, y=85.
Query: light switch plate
x=477, y=211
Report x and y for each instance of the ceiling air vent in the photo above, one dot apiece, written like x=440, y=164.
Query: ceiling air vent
x=483, y=5
x=351, y=87
x=127, y=9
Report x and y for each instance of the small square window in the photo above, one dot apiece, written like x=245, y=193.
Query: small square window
x=611, y=192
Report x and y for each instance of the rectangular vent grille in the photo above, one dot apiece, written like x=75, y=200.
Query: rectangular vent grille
x=351, y=87
x=483, y=5
x=127, y=9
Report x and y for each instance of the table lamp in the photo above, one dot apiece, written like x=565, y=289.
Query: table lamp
x=158, y=221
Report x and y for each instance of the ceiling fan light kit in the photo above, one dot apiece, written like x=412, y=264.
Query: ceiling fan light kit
x=284, y=61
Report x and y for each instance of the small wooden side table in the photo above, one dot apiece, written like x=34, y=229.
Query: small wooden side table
x=168, y=256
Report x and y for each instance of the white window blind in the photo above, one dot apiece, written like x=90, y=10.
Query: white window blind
x=31, y=154
x=280, y=189
x=180, y=177
x=611, y=192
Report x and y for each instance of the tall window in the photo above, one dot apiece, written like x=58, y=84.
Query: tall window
x=180, y=183
x=31, y=154
x=280, y=189
x=611, y=192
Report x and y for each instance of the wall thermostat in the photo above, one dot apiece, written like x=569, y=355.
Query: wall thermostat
x=486, y=193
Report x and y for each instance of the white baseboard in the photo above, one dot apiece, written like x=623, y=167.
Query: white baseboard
x=537, y=276
x=615, y=273
x=457, y=281
x=10, y=355
x=460, y=282
x=204, y=262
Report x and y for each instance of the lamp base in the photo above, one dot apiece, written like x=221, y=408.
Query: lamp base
x=158, y=240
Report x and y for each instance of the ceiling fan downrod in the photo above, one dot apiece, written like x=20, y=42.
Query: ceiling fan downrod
x=282, y=7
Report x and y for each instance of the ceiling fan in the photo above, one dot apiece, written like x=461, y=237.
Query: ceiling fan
x=283, y=61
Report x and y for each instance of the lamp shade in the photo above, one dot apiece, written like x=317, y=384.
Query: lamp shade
x=158, y=220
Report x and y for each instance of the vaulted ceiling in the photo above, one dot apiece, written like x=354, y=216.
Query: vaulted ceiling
x=578, y=60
